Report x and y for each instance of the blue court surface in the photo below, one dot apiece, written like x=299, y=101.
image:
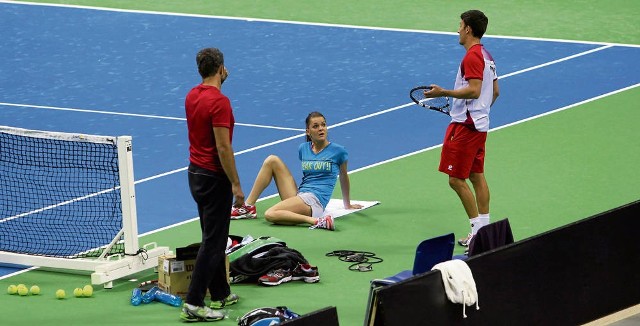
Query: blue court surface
x=126, y=73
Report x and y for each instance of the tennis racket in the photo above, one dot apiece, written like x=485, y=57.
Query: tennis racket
x=440, y=104
x=147, y=285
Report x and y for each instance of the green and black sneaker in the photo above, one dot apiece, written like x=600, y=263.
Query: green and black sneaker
x=191, y=313
x=229, y=300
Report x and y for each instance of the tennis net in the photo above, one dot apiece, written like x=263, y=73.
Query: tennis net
x=67, y=201
x=58, y=193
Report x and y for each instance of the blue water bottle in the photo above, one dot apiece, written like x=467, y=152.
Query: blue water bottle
x=168, y=298
x=136, y=297
x=150, y=295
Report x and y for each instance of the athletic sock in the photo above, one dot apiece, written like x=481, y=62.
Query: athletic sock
x=483, y=219
x=475, y=225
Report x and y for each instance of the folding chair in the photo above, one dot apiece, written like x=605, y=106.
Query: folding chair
x=428, y=253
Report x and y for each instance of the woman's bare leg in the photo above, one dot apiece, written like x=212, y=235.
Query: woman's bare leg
x=273, y=168
x=290, y=211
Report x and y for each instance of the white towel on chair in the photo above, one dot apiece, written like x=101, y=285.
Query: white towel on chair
x=458, y=283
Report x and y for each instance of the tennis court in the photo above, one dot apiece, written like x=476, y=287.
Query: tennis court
x=563, y=144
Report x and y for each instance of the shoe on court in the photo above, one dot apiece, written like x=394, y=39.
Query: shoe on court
x=324, y=223
x=191, y=313
x=229, y=300
x=305, y=272
x=466, y=241
x=243, y=212
x=275, y=277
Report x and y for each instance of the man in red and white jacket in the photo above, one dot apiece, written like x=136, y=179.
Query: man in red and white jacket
x=463, y=150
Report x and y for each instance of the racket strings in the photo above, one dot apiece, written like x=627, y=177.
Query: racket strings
x=440, y=104
x=436, y=102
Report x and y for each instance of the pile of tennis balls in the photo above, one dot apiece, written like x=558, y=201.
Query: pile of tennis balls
x=85, y=291
x=22, y=290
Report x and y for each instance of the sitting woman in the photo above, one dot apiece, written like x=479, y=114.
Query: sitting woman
x=322, y=162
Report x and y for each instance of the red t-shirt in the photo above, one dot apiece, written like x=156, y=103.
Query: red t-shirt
x=206, y=107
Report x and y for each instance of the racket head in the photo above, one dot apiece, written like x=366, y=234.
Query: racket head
x=440, y=104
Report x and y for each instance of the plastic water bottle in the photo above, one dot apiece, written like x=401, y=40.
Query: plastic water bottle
x=150, y=295
x=136, y=297
x=168, y=298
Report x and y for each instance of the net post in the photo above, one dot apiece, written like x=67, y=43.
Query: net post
x=128, y=195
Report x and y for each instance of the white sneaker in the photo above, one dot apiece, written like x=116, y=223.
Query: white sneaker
x=243, y=212
x=466, y=241
x=191, y=313
x=324, y=223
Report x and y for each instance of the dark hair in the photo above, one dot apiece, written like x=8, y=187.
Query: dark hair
x=307, y=121
x=476, y=20
x=209, y=61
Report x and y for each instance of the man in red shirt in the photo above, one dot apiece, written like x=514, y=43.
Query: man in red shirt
x=214, y=185
x=463, y=149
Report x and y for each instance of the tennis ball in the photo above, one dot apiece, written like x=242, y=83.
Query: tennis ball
x=87, y=290
x=77, y=292
x=12, y=289
x=60, y=294
x=22, y=290
x=35, y=290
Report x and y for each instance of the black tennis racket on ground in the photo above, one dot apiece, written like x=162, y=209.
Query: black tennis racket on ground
x=440, y=104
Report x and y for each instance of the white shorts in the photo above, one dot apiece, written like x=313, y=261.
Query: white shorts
x=310, y=199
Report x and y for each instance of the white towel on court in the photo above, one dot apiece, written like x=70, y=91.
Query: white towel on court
x=335, y=208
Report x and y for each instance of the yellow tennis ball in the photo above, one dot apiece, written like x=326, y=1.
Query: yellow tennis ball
x=12, y=289
x=77, y=292
x=21, y=287
x=22, y=290
x=35, y=290
x=60, y=294
x=87, y=290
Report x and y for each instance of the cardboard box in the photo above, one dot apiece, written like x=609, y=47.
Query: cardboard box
x=174, y=276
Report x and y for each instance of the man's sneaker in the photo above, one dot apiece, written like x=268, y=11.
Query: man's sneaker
x=324, y=223
x=466, y=241
x=276, y=277
x=229, y=300
x=243, y=212
x=305, y=272
x=191, y=313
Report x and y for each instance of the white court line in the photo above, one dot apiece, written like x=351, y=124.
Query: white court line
x=56, y=108
x=292, y=22
x=556, y=61
x=504, y=126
